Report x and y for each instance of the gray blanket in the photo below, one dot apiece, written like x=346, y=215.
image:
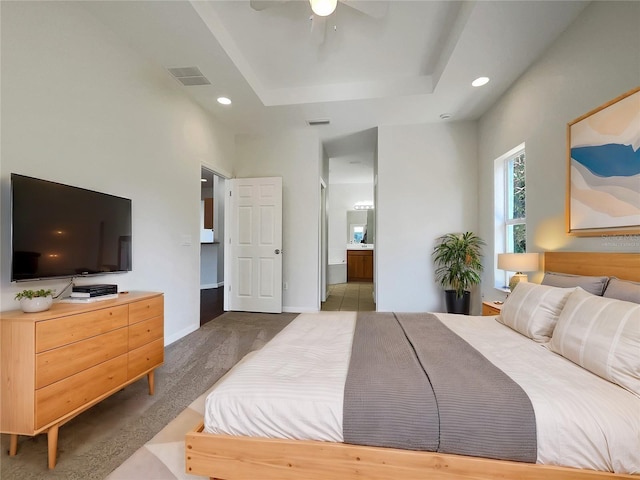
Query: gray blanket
x=414, y=384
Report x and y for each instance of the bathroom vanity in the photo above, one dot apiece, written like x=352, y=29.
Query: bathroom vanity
x=360, y=263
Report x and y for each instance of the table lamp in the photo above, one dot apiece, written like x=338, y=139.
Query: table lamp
x=519, y=263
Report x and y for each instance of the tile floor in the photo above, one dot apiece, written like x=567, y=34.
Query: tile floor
x=350, y=297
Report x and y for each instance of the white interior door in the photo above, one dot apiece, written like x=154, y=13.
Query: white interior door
x=253, y=273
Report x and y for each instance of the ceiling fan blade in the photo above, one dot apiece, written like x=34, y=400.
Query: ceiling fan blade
x=264, y=4
x=373, y=8
x=318, y=29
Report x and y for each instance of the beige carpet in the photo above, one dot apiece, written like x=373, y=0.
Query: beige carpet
x=162, y=457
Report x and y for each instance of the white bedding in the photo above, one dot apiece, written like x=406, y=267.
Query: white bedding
x=290, y=388
x=293, y=388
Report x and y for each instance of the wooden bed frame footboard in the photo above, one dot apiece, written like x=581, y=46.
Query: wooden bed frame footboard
x=227, y=457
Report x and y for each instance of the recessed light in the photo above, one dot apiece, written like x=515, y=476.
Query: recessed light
x=445, y=116
x=224, y=101
x=478, y=82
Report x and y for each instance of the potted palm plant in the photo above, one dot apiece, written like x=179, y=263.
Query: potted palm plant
x=458, y=259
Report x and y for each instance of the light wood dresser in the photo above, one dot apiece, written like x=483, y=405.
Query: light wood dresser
x=58, y=363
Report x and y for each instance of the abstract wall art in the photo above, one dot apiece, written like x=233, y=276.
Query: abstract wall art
x=603, y=169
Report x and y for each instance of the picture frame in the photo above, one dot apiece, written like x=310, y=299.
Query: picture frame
x=603, y=169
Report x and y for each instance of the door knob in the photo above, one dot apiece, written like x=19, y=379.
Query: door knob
x=277, y=251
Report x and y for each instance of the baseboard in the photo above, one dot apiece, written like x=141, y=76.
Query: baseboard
x=299, y=310
x=211, y=285
x=182, y=333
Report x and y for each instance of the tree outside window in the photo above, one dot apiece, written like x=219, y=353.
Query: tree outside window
x=516, y=227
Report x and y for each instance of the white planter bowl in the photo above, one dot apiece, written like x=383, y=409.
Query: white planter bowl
x=36, y=304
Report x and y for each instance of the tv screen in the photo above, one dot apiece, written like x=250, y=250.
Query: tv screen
x=64, y=231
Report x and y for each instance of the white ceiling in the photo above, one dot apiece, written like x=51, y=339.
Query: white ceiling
x=409, y=62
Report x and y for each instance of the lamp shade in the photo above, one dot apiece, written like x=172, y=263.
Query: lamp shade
x=518, y=262
x=323, y=8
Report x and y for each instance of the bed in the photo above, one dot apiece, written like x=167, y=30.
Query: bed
x=314, y=447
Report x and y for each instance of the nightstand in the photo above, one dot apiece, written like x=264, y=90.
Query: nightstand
x=491, y=308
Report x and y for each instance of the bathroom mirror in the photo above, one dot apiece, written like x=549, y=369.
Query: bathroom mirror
x=360, y=224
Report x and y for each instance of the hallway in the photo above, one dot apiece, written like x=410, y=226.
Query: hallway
x=350, y=297
x=211, y=304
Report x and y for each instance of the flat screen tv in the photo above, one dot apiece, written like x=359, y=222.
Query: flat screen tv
x=63, y=231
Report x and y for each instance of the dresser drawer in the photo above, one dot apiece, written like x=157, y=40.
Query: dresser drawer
x=62, y=331
x=145, y=358
x=60, y=398
x=146, y=331
x=59, y=363
x=145, y=309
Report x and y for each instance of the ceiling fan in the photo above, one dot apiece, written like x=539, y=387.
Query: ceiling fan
x=323, y=8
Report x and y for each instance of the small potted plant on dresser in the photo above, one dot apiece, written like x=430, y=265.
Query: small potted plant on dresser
x=458, y=259
x=35, y=300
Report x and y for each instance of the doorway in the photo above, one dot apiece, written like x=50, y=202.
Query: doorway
x=351, y=235
x=211, y=248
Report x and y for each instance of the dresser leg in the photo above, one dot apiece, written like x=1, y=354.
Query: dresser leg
x=52, y=442
x=13, y=445
x=151, y=379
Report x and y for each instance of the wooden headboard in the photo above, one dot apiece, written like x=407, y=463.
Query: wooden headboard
x=622, y=265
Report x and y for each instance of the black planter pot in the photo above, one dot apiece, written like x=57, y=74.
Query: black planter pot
x=457, y=304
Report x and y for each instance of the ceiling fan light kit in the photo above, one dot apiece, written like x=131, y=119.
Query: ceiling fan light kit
x=323, y=8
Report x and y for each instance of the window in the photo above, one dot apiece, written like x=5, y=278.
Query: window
x=358, y=233
x=515, y=223
x=510, y=207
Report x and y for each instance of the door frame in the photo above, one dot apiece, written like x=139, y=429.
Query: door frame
x=323, y=242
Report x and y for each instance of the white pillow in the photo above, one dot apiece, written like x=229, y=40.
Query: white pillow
x=533, y=309
x=601, y=335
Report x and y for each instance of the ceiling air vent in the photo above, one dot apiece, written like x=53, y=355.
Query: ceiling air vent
x=324, y=121
x=189, y=76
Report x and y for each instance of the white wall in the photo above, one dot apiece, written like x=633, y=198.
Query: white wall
x=427, y=186
x=342, y=197
x=295, y=156
x=208, y=265
x=596, y=59
x=79, y=107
